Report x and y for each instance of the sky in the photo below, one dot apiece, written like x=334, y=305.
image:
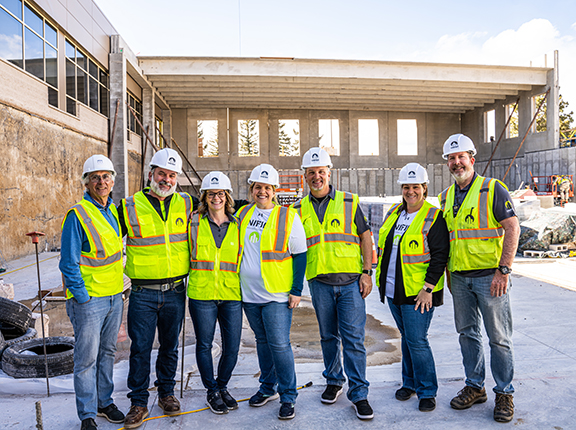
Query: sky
x=509, y=32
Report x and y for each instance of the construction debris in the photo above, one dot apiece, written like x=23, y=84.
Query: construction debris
x=545, y=228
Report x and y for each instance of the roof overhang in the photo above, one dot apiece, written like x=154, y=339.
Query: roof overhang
x=281, y=83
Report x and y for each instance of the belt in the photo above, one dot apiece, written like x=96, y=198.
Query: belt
x=162, y=287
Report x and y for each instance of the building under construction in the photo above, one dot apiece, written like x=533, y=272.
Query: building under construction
x=70, y=87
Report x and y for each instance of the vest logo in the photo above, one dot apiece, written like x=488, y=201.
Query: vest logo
x=335, y=223
x=214, y=181
x=172, y=161
x=470, y=218
x=254, y=237
x=264, y=174
x=508, y=205
x=315, y=158
x=454, y=144
x=179, y=222
x=413, y=244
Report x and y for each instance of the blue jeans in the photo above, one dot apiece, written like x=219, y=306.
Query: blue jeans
x=96, y=324
x=204, y=315
x=418, y=369
x=472, y=304
x=271, y=323
x=147, y=310
x=341, y=314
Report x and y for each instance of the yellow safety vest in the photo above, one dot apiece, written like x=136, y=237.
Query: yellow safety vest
x=476, y=238
x=414, y=248
x=334, y=245
x=156, y=249
x=101, y=267
x=275, y=258
x=213, y=270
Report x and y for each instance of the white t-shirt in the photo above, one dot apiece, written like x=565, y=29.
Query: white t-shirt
x=251, y=282
x=404, y=221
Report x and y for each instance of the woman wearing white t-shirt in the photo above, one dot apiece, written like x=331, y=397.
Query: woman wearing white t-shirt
x=414, y=247
x=272, y=268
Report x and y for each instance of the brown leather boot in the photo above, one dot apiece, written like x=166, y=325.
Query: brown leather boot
x=170, y=405
x=504, y=408
x=135, y=416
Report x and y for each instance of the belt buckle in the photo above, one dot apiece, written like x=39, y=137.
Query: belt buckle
x=165, y=287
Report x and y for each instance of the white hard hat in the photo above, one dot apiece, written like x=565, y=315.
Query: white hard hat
x=96, y=163
x=316, y=157
x=266, y=174
x=458, y=143
x=167, y=158
x=413, y=173
x=216, y=181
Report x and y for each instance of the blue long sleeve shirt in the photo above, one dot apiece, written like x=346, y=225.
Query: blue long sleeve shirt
x=74, y=241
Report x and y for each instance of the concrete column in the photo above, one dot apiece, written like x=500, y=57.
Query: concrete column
x=148, y=121
x=119, y=153
x=167, y=125
x=553, y=106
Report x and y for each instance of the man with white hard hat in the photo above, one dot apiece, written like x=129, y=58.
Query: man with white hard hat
x=484, y=234
x=91, y=265
x=339, y=273
x=157, y=261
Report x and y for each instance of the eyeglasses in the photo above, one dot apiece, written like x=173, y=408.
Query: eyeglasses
x=220, y=194
x=106, y=177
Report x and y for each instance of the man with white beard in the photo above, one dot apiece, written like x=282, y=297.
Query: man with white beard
x=157, y=262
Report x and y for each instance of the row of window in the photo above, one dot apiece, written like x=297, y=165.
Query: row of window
x=511, y=111
x=289, y=137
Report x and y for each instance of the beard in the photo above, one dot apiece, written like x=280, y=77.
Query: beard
x=155, y=186
x=464, y=176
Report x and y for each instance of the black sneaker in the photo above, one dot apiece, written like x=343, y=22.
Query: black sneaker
x=88, y=424
x=427, y=405
x=286, y=411
x=363, y=410
x=331, y=393
x=404, y=393
x=111, y=413
x=228, y=400
x=260, y=399
x=215, y=403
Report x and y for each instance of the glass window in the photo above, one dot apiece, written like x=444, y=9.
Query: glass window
x=81, y=59
x=70, y=106
x=51, y=66
x=289, y=137
x=52, y=96
x=103, y=78
x=248, y=138
x=70, y=51
x=34, y=51
x=33, y=20
x=70, y=79
x=104, y=101
x=207, y=138
x=490, y=126
x=81, y=86
x=407, y=137
x=51, y=35
x=10, y=38
x=93, y=69
x=93, y=93
x=14, y=6
x=329, y=135
x=368, y=140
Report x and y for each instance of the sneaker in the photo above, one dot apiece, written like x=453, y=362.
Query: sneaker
x=111, y=413
x=135, y=416
x=504, y=409
x=260, y=399
x=170, y=405
x=404, y=394
x=467, y=396
x=427, y=405
x=88, y=424
x=228, y=400
x=331, y=393
x=216, y=404
x=287, y=411
x=363, y=410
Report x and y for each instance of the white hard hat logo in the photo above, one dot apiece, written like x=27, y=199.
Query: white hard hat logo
x=172, y=160
x=454, y=144
x=411, y=174
x=315, y=158
x=214, y=180
x=264, y=174
x=99, y=161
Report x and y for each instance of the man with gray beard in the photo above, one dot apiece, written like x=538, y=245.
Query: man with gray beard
x=157, y=262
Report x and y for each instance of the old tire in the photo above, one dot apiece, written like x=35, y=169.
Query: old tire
x=60, y=352
x=15, y=314
x=9, y=341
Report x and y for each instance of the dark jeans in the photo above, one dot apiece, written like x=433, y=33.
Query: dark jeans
x=204, y=314
x=147, y=310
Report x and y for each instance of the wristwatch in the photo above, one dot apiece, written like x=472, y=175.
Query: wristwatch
x=505, y=270
x=427, y=289
x=368, y=272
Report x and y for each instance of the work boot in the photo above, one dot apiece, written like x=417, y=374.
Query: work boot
x=504, y=409
x=467, y=397
x=111, y=413
x=331, y=393
x=170, y=405
x=135, y=417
